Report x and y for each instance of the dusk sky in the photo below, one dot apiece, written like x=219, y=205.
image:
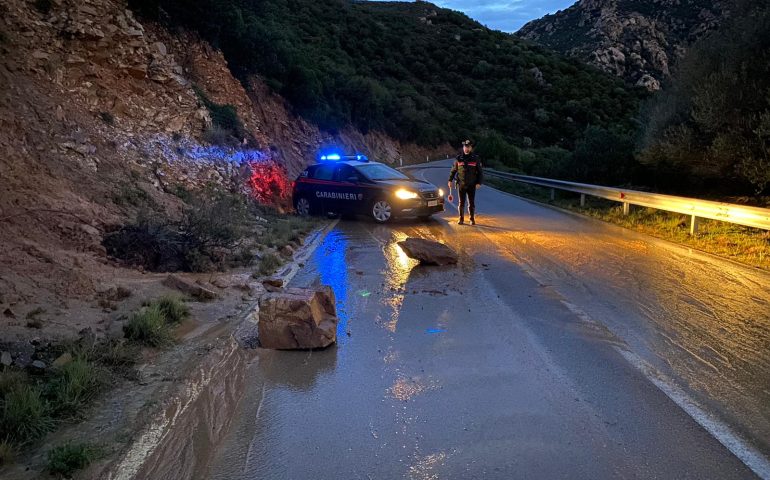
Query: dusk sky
x=505, y=15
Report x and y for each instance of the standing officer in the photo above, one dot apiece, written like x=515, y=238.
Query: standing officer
x=468, y=173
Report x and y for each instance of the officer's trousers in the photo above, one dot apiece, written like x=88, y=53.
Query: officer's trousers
x=467, y=196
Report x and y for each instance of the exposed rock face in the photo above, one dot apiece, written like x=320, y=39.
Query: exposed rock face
x=639, y=41
x=429, y=252
x=298, y=319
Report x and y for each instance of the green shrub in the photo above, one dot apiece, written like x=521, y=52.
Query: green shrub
x=268, y=264
x=149, y=327
x=226, y=127
x=66, y=459
x=709, y=129
x=25, y=414
x=210, y=234
x=174, y=309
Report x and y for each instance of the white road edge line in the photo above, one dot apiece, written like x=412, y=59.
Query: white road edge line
x=721, y=432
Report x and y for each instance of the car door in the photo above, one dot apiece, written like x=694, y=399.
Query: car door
x=349, y=197
x=324, y=187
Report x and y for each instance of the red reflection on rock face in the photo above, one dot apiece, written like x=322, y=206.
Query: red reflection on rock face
x=269, y=184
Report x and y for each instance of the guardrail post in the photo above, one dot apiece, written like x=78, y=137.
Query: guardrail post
x=582, y=199
x=694, y=224
x=553, y=194
x=626, y=208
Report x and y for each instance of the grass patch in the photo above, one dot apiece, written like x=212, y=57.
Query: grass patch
x=174, y=309
x=66, y=459
x=284, y=229
x=7, y=453
x=117, y=354
x=32, y=405
x=76, y=383
x=743, y=244
x=268, y=264
x=10, y=379
x=149, y=327
x=25, y=414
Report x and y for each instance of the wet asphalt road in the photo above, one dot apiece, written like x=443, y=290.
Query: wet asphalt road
x=545, y=354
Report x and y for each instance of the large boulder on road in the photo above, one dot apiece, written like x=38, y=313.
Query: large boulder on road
x=428, y=252
x=298, y=318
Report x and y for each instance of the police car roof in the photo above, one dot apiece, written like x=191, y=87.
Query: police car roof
x=352, y=163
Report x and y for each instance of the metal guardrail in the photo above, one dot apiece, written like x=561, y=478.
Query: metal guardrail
x=755, y=217
x=726, y=212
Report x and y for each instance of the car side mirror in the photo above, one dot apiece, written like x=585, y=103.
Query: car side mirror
x=353, y=179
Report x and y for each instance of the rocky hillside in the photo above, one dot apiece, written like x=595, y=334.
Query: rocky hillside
x=99, y=111
x=638, y=40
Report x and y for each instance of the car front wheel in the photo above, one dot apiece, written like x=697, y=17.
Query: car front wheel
x=382, y=211
x=303, y=207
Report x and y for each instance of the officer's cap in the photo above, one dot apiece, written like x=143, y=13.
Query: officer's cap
x=467, y=142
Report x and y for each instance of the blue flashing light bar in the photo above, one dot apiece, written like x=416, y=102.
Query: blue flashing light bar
x=336, y=157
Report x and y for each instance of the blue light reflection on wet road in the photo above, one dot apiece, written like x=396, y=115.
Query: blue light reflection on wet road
x=333, y=269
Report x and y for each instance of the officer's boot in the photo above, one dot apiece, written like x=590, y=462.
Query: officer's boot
x=461, y=221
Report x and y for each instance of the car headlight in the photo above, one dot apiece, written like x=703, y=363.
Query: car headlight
x=440, y=192
x=405, y=194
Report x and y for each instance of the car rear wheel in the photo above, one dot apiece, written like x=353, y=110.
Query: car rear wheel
x=382, y=211
x=303, y=207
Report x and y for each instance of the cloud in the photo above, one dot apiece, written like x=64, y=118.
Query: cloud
x=507, y=16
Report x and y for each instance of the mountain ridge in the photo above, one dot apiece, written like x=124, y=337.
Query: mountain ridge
x=639, y=41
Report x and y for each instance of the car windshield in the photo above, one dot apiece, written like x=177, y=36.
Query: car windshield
x=378, y=171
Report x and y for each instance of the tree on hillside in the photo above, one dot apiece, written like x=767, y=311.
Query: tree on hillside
x=384, y=66
x=713, y=123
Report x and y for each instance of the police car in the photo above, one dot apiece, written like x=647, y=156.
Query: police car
x=352, y=185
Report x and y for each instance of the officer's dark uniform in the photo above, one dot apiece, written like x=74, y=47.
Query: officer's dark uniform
x=468, y=172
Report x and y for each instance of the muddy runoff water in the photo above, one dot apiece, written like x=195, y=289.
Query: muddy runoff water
x=177, y=442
